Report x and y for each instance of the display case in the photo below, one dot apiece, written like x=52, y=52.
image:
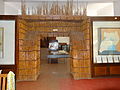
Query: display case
x=8, y=43
x=105, y=46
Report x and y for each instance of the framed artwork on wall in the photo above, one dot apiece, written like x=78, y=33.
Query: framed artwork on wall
x=1, y=42
x=106, y=42
x=7, y=42
x=109, y=41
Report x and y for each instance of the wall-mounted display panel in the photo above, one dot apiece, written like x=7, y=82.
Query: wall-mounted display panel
x=1, y=42
x=7, y=42
x=106, y=41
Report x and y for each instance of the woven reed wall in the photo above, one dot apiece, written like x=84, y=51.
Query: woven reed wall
x=80, y=62
x=29, y=45
x=46, y=27
x=29, y=54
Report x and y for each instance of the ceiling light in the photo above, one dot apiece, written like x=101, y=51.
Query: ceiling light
x=55, y=30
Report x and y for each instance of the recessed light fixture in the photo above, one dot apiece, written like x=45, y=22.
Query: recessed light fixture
x=55, y=30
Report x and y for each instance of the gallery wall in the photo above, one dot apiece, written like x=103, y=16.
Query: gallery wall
x=117, y=8
x=11, y=8
x=108, y=10
x=2, y=7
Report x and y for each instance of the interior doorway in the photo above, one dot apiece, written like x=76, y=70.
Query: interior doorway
x=33, y=29
x=55, y=57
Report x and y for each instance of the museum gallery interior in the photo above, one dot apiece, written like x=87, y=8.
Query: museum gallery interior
x=60, y=44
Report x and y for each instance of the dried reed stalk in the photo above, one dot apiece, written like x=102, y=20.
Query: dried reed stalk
x=56, y=9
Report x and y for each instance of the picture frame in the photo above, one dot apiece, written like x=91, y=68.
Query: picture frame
x=7, y=40
x=109, y=41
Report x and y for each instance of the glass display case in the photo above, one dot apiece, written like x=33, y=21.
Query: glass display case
x=106, y=41
x=8, y=43
x=105, y=46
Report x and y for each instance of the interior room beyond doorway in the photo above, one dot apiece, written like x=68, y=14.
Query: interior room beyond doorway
x=53, y=57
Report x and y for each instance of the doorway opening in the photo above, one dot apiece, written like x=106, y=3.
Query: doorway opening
x=55, y=57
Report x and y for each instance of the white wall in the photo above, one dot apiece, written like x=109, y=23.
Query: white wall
x=117, y=8
x=1, y=7
x=93, y=9
x=63, y=39
x=9, y=42
x=100, y=9
x=12, y=8
x=106, y=10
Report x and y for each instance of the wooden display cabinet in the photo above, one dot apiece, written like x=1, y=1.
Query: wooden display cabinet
x=105, y=64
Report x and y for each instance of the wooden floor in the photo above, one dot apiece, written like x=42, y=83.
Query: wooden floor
x=49, y=79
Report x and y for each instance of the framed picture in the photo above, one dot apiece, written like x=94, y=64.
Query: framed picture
x=109, y=41
x=53, y=45
x=1, y=42
x=7, y=42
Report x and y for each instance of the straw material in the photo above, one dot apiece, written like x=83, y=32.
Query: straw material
x=32, y=30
